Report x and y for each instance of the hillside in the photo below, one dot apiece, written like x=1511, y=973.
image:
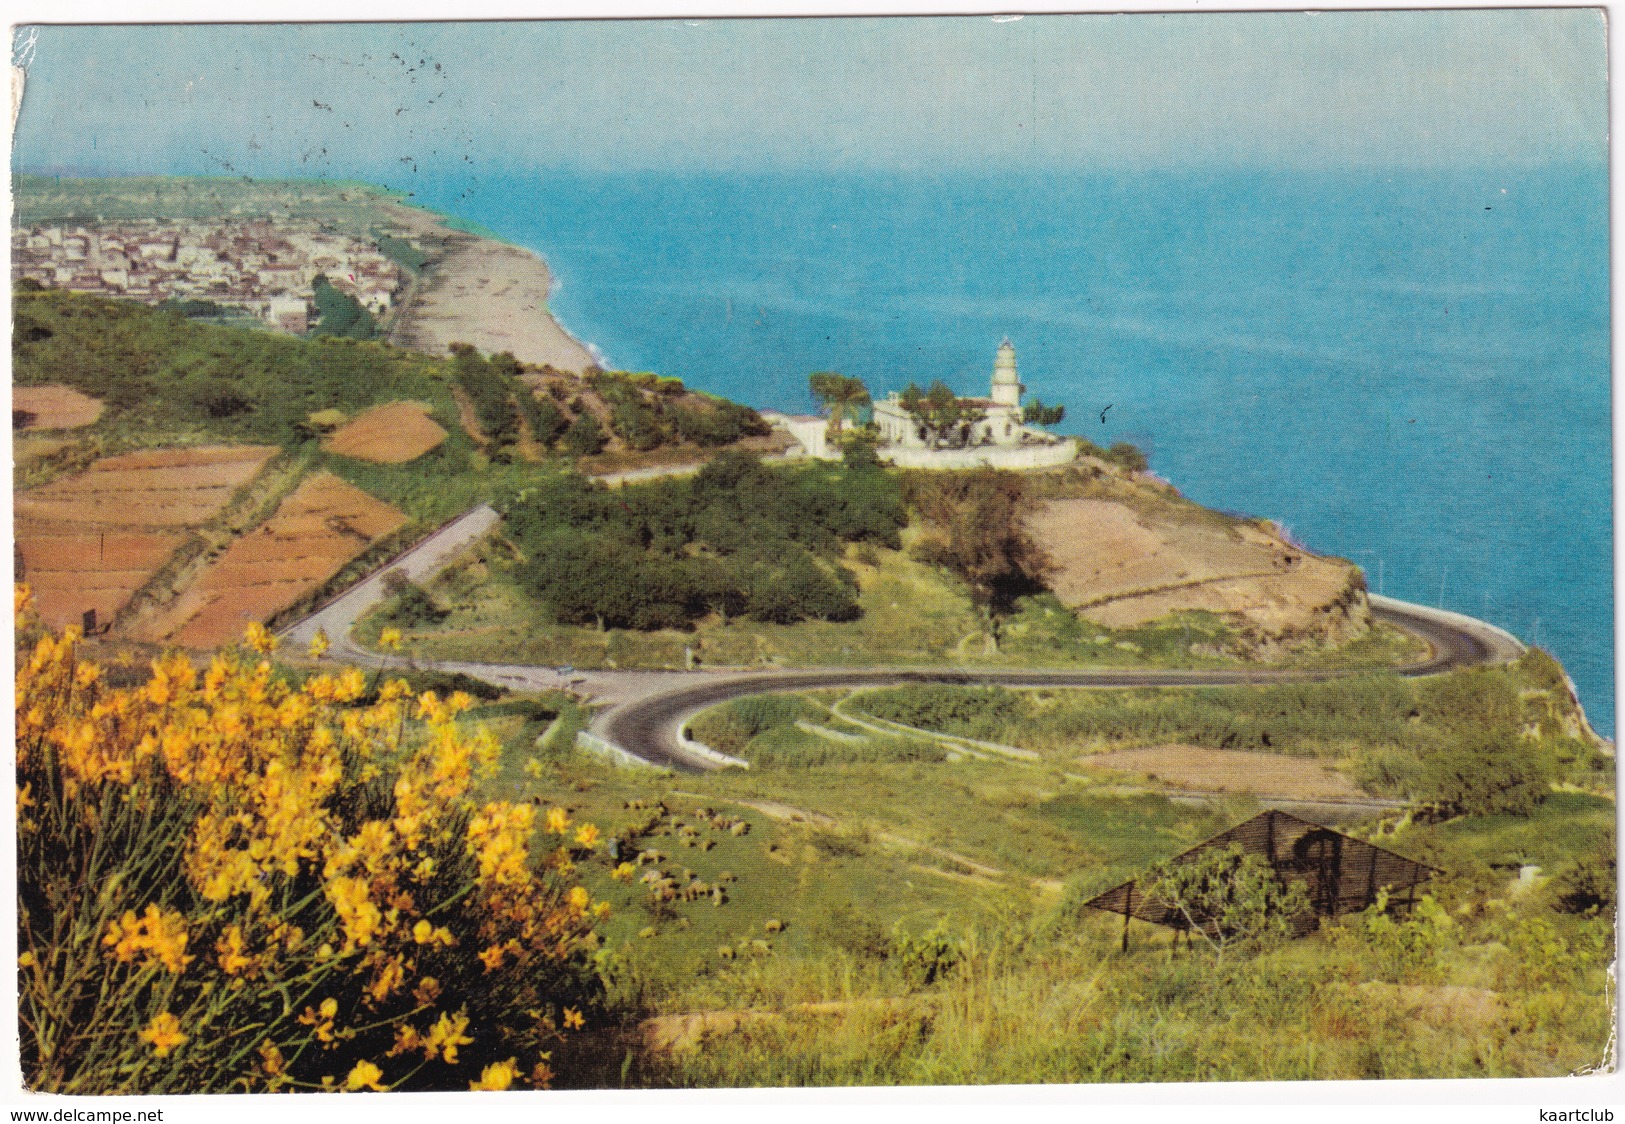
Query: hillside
x=1126, y=550
x=103, y=381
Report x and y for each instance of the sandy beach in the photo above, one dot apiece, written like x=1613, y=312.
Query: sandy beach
x=485, y=293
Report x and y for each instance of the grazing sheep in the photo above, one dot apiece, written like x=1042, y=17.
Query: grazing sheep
x=740, y=828
x=707, y=844
x=727, y=876
x=773, y=925
x=761, y=947
x=647, y=932
x=725, y=952
x=719, y=896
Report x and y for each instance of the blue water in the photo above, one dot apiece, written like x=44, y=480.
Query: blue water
x=1407, y=370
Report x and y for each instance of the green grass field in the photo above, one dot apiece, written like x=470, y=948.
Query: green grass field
x=919, y=921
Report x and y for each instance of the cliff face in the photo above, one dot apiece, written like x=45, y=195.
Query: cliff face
x=1131, y=552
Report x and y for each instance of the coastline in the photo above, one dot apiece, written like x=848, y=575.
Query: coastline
x=484, y=292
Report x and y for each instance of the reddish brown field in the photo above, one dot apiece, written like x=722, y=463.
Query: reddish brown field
x=156, y=488
x=90, y=541
x=55, y=407
x=390, y=434
x=315, y=531
x=1193, y=769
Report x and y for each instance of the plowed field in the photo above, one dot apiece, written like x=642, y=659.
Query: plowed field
x=391, y=434
x=90, y=541
x=1194, y=769
x=1122, y=569
x=315, y=531
x=55, y=407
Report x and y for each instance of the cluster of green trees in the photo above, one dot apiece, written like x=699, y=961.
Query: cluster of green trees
x=340, y=314
x=494, y=392
x=739, y=539
x=647, y=411
x=162, y=373
x=945, y=417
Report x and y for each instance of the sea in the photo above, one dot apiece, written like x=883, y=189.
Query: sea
x=1407, y=369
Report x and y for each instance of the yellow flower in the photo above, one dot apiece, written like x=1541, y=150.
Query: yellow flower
x=390, y=639
x=259, y=638
x=558, y=821
x=271, y=1058
x=426, y=992
x=624, y=872
x=319, y=645
x=27, y=960
x=446, y=1035
x=573, y=1019
x=423, y=932
x=329, y=1008
x=492, y=958
x=163, y=1034
x=579, y=898
x=365, y=1075
x=157, y=936
x=355, y=908
x=587, y=835
x=229, y=949
x=496, y=1076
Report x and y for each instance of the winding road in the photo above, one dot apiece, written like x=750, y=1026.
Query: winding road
x=643, y=713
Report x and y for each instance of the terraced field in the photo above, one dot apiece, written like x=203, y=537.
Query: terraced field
x=321, y=526
x=88, y=542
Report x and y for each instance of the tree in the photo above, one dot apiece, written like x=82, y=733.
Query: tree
x=1036, y=413
x=340, y=314
x=585, y=436
x=978, y=529
x=946, y=418
x=842, y=397
x=1229, y=897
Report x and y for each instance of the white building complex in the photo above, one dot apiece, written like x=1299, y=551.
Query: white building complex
x=989, y=432
x=993, y=421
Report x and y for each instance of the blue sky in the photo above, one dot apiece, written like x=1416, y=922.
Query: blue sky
x=1328, y=90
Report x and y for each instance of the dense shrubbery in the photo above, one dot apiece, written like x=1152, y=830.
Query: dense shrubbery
x=491, y=391
x=340, y=314
x=738, y=539
x=228, y=883
x=160, y=373
x=647, y=411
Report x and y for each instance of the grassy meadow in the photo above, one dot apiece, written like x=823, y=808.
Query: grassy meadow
x=897, y=910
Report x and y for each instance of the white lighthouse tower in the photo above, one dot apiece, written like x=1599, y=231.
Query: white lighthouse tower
x=1007, y=388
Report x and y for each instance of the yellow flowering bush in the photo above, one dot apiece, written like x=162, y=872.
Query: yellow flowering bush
x=230, y=883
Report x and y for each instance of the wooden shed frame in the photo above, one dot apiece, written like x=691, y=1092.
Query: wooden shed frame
x=1343, y=874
